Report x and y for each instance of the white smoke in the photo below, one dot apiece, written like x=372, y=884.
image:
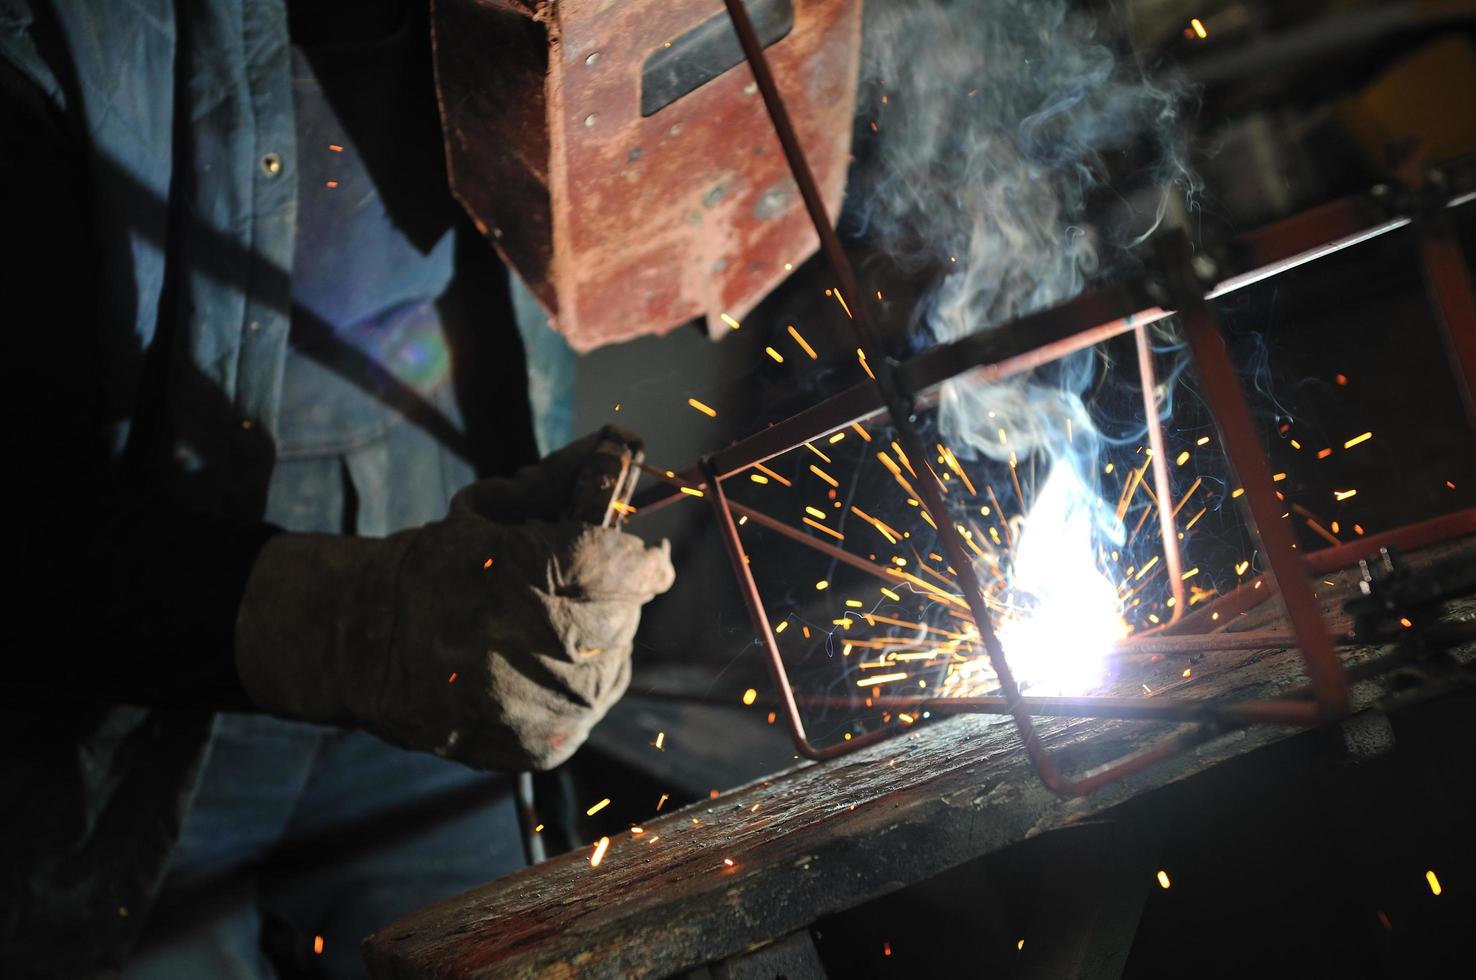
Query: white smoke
x=992, y=119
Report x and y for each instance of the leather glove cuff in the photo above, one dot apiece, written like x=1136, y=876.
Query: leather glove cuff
x=315, y=624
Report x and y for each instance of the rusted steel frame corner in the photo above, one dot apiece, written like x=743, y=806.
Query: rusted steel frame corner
x=886, y=376
x=1448, y=286
x=1268, y=251
x=1330, y=685
x=1162, y=484
x=759, y=617
x=931, y=495
x=1247, y=458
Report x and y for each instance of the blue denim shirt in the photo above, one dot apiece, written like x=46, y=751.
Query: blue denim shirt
x=300, y=384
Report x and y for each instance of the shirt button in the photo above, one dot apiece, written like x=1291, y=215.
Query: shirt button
x=271, y=164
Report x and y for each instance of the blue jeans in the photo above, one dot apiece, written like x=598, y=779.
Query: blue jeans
x=299, y=832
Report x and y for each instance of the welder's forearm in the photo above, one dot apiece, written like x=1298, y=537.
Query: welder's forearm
x=313, y=608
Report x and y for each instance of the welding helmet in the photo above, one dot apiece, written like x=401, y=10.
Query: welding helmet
x=619, y=157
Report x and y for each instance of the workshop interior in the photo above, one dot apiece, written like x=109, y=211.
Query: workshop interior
x=1029, y=526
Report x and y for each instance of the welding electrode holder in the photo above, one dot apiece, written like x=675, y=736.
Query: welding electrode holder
x=607, y=479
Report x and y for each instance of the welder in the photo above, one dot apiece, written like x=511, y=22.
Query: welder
x=291, y=572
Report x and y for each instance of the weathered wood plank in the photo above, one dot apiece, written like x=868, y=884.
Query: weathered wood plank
x=811, y=841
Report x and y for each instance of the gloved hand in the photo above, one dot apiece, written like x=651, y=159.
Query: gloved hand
x=497, y=637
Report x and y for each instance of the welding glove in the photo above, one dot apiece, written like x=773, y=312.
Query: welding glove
x=497, y=636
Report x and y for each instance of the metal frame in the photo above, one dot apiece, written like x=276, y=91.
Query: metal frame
x=1050, y=335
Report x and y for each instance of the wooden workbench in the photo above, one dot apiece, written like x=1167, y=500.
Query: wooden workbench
x=818, y=839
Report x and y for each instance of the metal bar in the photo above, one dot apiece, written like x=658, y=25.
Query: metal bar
x=1448, y=282
x=1197, y=643
x=898, y=403
x=1163, y=485
x=795, y=534
x=1444, y=634
x=1247, y=459
x=1083, y=321
x=1047, y=335
x=1282, y=711
x=1409, y=537
x=992, y=355
x=1163, y=643
x=1035, y=339
x=1328, y=680
x=852, y=405
x=527, y=806
x=1306, y=237
x=1122, y=709
x=809, y=541
x=1155, y=643
x=733, y=545
x=1170, y=747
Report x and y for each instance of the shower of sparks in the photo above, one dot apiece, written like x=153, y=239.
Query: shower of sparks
x=1433, y=882
x=1069, y=566
x=1163, y=880
x=1059, y=630
x=597, y=807
x=599, y=852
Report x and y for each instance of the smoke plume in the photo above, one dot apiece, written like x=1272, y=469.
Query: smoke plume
x=993, y=117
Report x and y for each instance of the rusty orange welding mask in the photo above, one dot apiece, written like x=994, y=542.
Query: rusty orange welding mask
x=620, y=158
